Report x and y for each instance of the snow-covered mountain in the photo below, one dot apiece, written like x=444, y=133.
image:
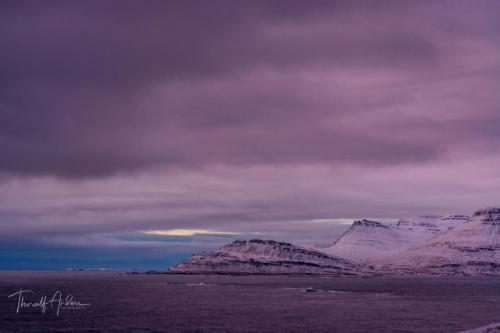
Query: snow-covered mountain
x=371, y=241
x=367, y=241
x=453, y=244
x=471, y=247
x=267, y=257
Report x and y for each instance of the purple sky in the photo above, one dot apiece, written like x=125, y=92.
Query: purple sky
x=270, y=118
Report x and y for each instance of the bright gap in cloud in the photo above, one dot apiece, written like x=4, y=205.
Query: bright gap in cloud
x=188, y=232
x=334, y=221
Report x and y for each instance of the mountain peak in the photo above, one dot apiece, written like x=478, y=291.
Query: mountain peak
x=259, y=242
x=456, y=217
x=368, y=224
x=488, y=215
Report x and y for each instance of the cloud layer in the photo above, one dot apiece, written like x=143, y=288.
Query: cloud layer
x=96, y=88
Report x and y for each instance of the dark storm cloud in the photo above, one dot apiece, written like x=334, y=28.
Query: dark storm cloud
x=93, y=88
x=131, y=42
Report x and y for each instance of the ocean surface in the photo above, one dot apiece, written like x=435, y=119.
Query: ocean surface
x=120, y=302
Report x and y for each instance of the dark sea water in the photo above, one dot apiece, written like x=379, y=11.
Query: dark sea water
x=122, y=302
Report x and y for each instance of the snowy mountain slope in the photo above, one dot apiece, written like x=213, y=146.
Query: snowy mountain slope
x=370, y=241
x=491, y=328
x=471, y=247
x=431, y=223
x=267, y=257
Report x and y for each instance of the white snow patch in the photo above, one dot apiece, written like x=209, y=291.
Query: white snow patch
x=491, y=328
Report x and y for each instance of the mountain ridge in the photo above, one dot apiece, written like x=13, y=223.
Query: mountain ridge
x=429, y=244
x=257, y=256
